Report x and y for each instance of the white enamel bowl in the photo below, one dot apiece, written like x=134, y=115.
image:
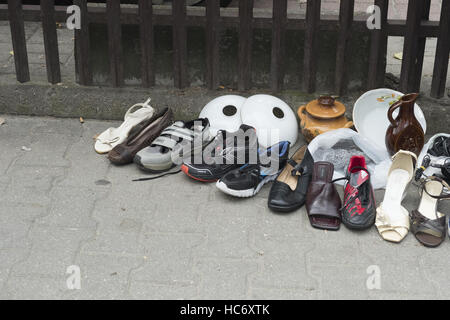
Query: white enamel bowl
x=370, y=114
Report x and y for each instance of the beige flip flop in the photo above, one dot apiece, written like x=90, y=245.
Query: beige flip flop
x=392, y=218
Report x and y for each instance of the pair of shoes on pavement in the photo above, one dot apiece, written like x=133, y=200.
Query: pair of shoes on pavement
x=234, y=161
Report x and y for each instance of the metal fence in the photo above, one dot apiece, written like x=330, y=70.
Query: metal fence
x=415, y=29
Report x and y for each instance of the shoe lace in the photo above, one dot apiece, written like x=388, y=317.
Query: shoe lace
x=362, y=191
x=253, y=170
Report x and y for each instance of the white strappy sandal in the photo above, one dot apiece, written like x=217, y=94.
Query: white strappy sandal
x=392, y=218
x=110, y=138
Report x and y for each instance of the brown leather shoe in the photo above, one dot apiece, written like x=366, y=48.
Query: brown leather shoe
x=323, y=203
x=141, y=138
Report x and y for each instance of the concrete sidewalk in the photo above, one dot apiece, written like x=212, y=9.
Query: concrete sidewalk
x=61, y=205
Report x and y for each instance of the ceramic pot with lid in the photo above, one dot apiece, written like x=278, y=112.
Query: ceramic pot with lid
x=322, y=115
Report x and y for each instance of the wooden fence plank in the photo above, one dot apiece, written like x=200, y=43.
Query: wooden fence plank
x=378, y=49
x=278, y=44
x=421, y=43
x=346, y=14
x=146, y=34
x=115, y=42
x=82, y=61
x=212, y=43
x=245, y=44
x=50, y=41
x=412, y=47
x=196, y=18
x=18, y=40
x=442, y=53
x=311, y=44
x=180, y=73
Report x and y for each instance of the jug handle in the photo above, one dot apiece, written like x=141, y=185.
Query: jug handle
x=391, y=111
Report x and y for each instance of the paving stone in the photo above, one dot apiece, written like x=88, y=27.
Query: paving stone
x=153, y=291
x=114, y=242
x=117, y=219
x=103, y=276
x=161, y=251
x=35, y=288
x=174, y=217
x=8, y=258
x=287, y=294
x=227, y=235
x=13, y=230
x=223, y=278
x=31, y=184
x=284, y=265
x=71, y=207
x=434, y=272
x=53, y=250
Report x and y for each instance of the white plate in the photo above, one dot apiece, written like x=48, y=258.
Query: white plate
x=370, y=114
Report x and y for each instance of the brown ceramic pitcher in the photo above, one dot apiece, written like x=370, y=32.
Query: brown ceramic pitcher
x=405, y=132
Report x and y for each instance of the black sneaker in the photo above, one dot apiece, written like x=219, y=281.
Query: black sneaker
x=228, y=151
x=246, y=181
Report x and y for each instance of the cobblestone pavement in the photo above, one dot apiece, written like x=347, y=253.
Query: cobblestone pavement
x=61, y=204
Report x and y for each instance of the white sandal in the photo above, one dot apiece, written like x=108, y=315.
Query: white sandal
x=112, y=137
x=392, y=218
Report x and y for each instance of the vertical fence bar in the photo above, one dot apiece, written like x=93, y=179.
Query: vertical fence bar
x=146, y=34
x=346, y=14
x=245, y=44
x=50, y=41
x=442, y=53
x=82, y=62
x=311, y=44
x=115, y=42
x=278, y=44
x=179, y=44
x=412, y=47
x=212, y=43
x=422, y=41
x=18, y=40
x=378, y=49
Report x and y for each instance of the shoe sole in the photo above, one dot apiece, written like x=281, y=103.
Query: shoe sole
x=162, y=170
x=352, y=226
x=185, y=169
x=277, y=209
x=244, y=193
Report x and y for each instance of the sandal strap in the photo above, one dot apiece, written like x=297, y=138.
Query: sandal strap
x=443, y=195
x=146, y=104
x=422, y=224
x=298, y=169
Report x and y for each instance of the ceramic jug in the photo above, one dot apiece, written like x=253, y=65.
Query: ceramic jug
x=405, y=131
